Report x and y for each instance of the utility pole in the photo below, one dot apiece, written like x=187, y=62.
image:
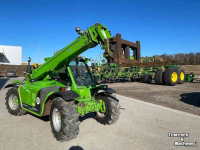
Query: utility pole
x=38, y=53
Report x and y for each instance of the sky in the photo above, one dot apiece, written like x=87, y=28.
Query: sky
x=161, y=26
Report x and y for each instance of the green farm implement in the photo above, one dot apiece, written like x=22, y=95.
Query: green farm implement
x=163, y=72
x=63, y=86
x=192, y=78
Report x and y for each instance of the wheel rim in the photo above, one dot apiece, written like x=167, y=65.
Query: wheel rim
x=56, y=117
x=174, y=77
x=182, y=76
x=13, y=102
x=101, y=115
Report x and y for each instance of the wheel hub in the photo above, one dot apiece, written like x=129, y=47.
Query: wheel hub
x=56, y=117
x=174, y=77
x=16, y=101
x=13, y=102
x=182, y=76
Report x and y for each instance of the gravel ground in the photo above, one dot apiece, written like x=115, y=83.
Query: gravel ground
x=136, y=129
x=184, y=97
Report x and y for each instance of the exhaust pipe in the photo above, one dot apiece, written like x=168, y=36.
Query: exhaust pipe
x=29, y=65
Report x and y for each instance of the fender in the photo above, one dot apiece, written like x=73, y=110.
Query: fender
x=108, y=91
x=10, y=85
x=102, y=89
x=14, y=83
x=67, y=95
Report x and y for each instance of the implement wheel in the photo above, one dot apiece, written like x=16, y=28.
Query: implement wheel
x=158, y=76
x=146, y=78
x=13, y=103
x=64, y=119
x=133, y=79
x=170, y=76
x=111, y=114
x=181, y=75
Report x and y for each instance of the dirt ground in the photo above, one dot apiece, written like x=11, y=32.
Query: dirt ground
x=184, y=97
x=191, y=68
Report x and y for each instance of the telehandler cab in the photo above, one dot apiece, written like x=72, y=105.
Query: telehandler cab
x=63, y=86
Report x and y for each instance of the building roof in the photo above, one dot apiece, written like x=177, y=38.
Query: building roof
x=1, y=51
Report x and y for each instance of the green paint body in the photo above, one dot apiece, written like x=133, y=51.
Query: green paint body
x=190, y=77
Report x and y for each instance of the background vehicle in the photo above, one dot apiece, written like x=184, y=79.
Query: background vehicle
x=10, y=73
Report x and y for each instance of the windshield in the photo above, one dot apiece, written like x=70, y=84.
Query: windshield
x=81, y=73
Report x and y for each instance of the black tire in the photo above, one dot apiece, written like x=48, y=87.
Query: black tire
x=181, y=76
x=167, y=76
x=133, y=79
x=112, y=110
x=158, y=76
x=163, y=76
x=146, y=78
x=69, y=119
x=17, y=111
x=143, y=78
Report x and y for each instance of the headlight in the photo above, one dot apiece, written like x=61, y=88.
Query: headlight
x=63, y=89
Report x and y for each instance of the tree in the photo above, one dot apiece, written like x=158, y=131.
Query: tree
x=191, y=58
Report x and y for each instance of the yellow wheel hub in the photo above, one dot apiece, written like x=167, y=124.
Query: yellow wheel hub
x=182, y=76
x=174, y=77
x=99, y=69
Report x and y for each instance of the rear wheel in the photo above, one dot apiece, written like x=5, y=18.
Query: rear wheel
x=170, y=76
x=158, y=76
x=181, y=76
x=13, y=102
x=112, y=112
x=64, y=119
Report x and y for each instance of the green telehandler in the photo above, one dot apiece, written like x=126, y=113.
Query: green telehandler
x=63, y=87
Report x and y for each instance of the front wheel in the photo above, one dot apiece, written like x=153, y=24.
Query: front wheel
x=13, y=103
x=112, y=112
x=64, y=119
